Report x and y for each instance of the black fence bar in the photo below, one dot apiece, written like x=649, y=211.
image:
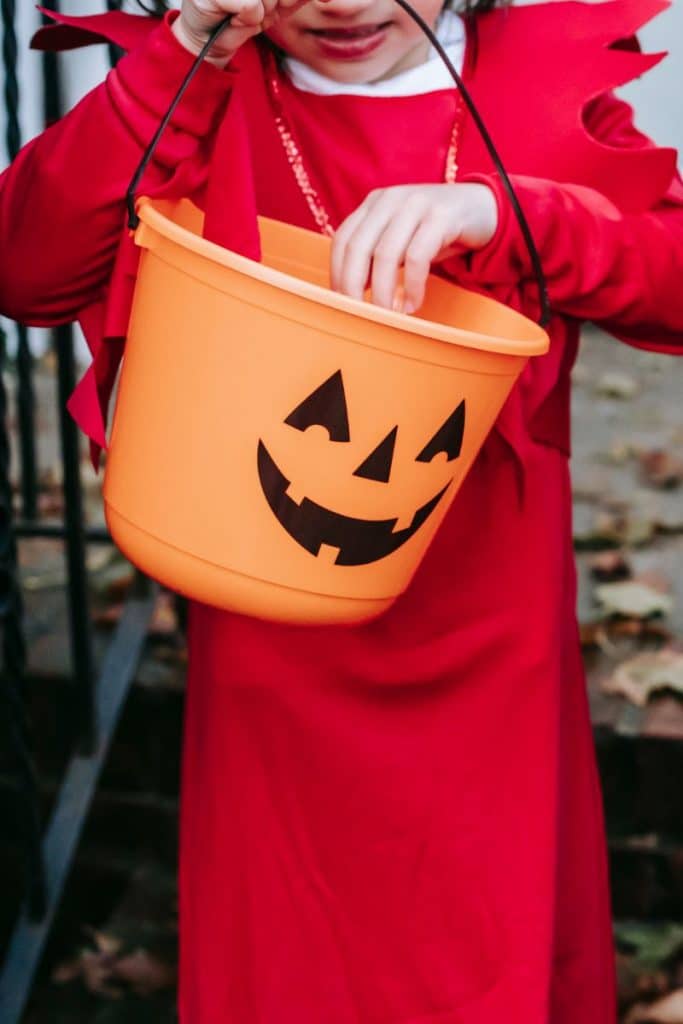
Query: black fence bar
x=76, y=793
x=115, y=52
x=79, y=618
x=79, y=615
x=12, y=677
x=25, y=395
x=26, y=404
x=52, y=87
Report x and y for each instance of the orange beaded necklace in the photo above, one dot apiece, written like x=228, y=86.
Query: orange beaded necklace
x=295, y=157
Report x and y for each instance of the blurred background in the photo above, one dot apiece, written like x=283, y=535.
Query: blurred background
x=104, y=952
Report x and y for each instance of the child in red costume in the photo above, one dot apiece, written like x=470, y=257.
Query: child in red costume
x=398, y=823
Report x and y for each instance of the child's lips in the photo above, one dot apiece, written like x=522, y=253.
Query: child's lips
x=352, y=42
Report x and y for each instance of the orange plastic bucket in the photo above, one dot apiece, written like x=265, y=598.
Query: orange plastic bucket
x=284, y=451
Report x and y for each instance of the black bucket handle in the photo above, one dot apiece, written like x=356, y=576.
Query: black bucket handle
x=544, y=301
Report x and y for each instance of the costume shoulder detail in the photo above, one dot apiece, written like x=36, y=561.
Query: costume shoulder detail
x=70, y=33
x=566, y=31
x=541, y=66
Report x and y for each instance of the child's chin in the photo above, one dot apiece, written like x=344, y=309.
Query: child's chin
x=353, y=72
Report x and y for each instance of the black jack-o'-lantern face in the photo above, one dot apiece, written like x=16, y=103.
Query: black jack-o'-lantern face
x=359, y=541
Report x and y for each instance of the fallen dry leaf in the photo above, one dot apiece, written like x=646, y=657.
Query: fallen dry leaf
x=647, y=673
x=668, y=1010
x=51, y=477
x=609, y=566
x=163, y=624
x=643, y=629
x=97, y=974
x=655, y=579
x=667, y=520
x=616, y=528
x=95, y=970
x=66, y=971
x=652, y=984
x=619, y=453
x=664, y=721
x=633, y=599
x=99, y=557
x=47, y=361
x=164, y=621
x=651, y=947
x=50, y=504
x=106, y=972
x=606, y=633
x=627, y=979
x=614, y=384
x=649, y=841
x=660, y=468
x=594, y=634
x=117, y=589
x=108, y=617
x=144, y=972
x=635, y=982
x=170, y=654
x=105, y=943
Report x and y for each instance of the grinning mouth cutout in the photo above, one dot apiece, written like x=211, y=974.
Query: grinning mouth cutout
x=357, y=541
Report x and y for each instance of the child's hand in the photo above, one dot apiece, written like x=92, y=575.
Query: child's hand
x=198, y=18
x=409, y=226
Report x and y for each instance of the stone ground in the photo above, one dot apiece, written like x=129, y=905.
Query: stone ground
x=111, y=958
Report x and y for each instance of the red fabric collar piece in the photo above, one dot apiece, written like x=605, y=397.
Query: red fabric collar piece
x=70, y=33
x=545, y=63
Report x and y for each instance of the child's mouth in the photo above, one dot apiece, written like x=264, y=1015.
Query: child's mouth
x=353, y=43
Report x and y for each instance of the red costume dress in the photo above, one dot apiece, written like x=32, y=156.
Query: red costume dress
x=398, y=823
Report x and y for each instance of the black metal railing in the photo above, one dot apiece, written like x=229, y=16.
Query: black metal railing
x=49, y=847
x=11, y=610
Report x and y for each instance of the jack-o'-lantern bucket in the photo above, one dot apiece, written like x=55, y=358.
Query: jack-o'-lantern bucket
x=280, y=449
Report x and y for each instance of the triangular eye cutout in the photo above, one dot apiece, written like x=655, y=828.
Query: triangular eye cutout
x=377, y=466
x=324, y=407
x=448, y=438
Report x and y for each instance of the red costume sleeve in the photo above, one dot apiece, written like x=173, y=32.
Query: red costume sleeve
x=621, y=270
x=62, y=201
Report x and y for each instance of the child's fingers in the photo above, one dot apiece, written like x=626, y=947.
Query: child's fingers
x=411, y=226
x=205, y=14
x=423, y=248
x=411, y=241
x=198, y=18
x=359, y=247
x=341, y=239
x=390, y=251
x=250, y=14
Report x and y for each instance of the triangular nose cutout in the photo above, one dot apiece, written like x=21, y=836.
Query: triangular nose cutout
x=377, y=466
